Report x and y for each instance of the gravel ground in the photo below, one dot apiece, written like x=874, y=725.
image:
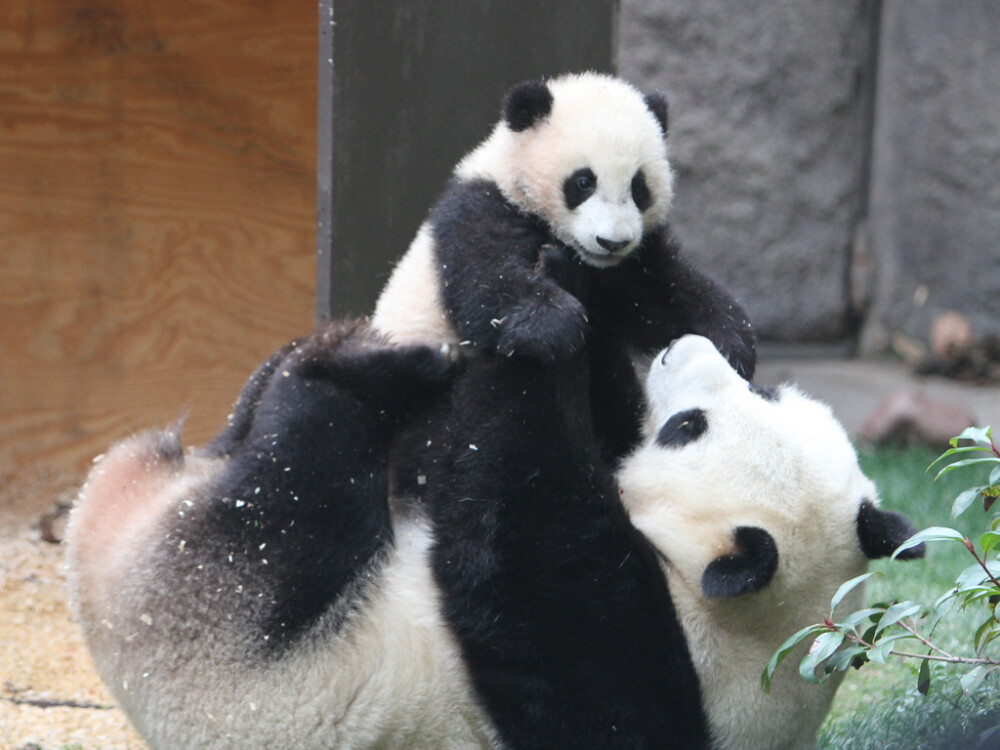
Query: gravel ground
x=50, y=694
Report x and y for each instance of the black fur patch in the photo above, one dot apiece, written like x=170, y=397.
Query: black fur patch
x=682, y=428
x=656, y=101
x=748, y=570
x=881, y=531
x=766, y=392
x=525, y=104
x=641, y=196
x=578, y=187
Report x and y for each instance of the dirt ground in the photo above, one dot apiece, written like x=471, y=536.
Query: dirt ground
x=50, y=694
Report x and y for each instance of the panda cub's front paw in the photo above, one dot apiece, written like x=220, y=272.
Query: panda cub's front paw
x=543, y=329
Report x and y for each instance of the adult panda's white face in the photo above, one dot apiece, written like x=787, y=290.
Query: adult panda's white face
x=587, y=153
x=763, y=478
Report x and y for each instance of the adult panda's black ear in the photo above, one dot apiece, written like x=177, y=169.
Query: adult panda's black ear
x=656, y=102
x=880, y=532
x=526, y=103
x=748, y=569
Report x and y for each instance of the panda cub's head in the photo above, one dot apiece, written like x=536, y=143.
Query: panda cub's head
x=586, y=153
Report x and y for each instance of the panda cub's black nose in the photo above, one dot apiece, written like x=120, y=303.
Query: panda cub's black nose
x=612, y=246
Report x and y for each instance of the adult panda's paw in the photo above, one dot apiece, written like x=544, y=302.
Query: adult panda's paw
x=353, y=357
x=544, y=327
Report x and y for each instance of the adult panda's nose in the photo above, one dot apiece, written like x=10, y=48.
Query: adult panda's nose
x=612, y=246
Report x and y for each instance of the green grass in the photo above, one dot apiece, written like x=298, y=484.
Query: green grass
x=878, y=707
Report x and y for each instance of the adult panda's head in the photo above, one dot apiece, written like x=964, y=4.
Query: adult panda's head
x=757, y=505
x=746, y=488
x=586, y=153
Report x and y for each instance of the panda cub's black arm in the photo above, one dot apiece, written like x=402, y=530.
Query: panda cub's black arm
x=560, y=605
x=494, y=293
x=655, y=296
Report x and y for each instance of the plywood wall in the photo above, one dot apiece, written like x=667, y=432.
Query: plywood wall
x=157, y=213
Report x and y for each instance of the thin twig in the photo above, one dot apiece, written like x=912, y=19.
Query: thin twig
x=44, y=703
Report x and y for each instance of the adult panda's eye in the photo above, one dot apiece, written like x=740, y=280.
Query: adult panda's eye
x=682, y=428
x=578, y=187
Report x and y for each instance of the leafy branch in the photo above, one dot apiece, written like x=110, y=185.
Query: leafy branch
x=905, y=630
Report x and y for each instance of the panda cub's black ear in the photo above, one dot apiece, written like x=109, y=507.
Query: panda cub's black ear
x=526, y=103
x=748, y=569
x=657, y=103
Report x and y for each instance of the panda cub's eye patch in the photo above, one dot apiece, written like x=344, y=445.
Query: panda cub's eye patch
x=578, y=187
x=682, y=428
x=641, y=196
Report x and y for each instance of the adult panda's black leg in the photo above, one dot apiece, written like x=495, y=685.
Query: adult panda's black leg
x=241, y=420
x=559, y=604
x=302, y=503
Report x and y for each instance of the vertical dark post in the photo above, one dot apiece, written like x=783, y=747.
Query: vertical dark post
x=324, y=166
x=405, y=89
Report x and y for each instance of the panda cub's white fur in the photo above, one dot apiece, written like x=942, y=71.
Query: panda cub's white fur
x=596, y=121
x=782, y=464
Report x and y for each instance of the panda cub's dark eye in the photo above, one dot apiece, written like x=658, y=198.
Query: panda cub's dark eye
x=578, y=187
x=682, y=428
x=641, y=196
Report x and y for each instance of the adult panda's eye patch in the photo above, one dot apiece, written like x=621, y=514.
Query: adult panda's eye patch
x=682, y=428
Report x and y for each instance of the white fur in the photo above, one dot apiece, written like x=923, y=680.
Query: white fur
x=165, y=642
x=596, y=121
x=785, y=466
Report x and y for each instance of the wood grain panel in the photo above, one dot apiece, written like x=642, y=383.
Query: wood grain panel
x=157, y=213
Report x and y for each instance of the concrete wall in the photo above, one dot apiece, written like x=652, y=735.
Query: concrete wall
x=838, y=163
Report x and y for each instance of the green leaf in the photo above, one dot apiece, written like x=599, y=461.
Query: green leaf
x=847, y=587
x=985, y=632
x=976, y=434
x=987, y=541
x=924, y=677
x=932, y=534
x=784, y=650
x=822, y=648
x=897, y=612
x=844, y=658
x=851, y=621
x=995, y=475
x=964, y=500
x=973, y=678
x=963, y=463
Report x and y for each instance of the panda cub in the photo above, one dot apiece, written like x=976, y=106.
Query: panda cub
x=576, y=172
x=267, y=591
x=755, y=500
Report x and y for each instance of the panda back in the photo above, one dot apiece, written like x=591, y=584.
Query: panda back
x=409, y=309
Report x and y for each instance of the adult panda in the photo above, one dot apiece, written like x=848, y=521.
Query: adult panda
x=576, y=166
x=267, y=592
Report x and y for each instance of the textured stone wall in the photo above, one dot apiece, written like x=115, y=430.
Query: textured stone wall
x=838, y=163
x=935, y=210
